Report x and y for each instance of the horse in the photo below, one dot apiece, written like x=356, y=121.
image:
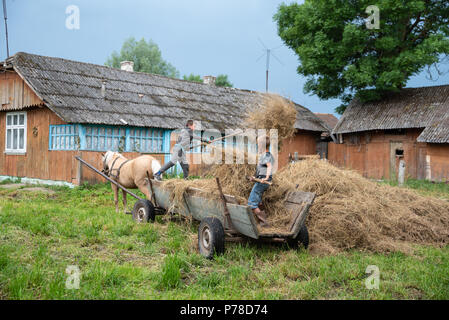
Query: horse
x=129, y=173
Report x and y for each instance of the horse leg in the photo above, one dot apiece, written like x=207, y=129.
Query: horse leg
x=125, y=206
x=115, y=189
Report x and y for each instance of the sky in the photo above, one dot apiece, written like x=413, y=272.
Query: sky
x=205, y=37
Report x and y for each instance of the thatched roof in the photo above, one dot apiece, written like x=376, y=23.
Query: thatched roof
x=425, y=107
x=73, y=90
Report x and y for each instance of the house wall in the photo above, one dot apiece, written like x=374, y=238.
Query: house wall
x=303, y=142
x=439, y=161
x=372, y=154
x=15, y=94
x=41, y=163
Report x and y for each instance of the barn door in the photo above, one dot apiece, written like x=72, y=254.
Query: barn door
x=396, y=153
x=321, y=148
x=421, y=166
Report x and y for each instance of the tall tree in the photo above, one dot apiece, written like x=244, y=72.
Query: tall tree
x=146, y=55
x=342, y=56
x=193, y=77
x=223, y=81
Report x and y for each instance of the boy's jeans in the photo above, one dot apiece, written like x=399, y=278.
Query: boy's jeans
x=255, y=196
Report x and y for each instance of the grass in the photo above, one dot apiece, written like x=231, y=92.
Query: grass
x=9, y=181
x=43, y=234
x=427, y=188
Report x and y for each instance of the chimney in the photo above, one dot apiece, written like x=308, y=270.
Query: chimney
x=127, y=66
x=210, y=80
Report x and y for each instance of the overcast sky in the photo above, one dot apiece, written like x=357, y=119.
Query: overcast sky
x=206, y=37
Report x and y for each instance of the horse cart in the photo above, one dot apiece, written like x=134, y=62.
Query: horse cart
x=221, y=219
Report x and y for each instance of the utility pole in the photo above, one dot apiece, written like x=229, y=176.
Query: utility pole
x=6, y=28
x=268, y=68
x=268, y=52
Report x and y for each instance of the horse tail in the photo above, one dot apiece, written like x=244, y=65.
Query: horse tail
x=155, y=165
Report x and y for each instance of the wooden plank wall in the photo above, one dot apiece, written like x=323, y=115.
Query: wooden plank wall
x=41, y=163
x=15, y=93
x=371, y=157
x=303, y=142
x=439, y=161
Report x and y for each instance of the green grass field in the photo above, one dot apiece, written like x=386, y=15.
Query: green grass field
x=42, y=234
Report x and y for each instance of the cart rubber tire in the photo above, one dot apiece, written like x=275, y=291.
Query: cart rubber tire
x=301, y=238
x=211, y=237
x=143, y=211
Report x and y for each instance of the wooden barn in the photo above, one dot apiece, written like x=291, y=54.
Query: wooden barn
x=53, y=109
x=411, y=125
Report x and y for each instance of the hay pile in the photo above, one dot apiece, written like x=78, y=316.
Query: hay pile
x=352, y=212
x=349, y=212
x=275, y=112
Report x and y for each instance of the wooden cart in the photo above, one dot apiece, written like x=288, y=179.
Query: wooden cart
x=223, y=219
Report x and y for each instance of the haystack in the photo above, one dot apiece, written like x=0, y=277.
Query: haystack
x=352, y=212
x=349, y=212
x=274, y=112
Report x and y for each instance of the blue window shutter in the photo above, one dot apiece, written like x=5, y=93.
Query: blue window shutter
x=82, y=135
x=166, y=141
x=127, y=140
x=50, y=138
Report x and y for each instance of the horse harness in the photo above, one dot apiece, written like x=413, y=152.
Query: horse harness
x=108, y=171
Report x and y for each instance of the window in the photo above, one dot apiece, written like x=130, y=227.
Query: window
x=105, y=138
x=16, y=129
x=146, y=140
x=64, y=137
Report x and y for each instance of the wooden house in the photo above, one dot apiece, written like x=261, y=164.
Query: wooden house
x=53, y=109
x=412, y=125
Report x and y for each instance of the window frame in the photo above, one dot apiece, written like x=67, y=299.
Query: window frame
x=90, y=136
x=11, y=127
x=56, y=136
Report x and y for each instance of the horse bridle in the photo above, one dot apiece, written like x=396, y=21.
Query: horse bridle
x=108, y=171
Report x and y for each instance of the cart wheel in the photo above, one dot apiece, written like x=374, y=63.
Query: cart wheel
x=301, y=238
x=143, y=211
x=210, y=237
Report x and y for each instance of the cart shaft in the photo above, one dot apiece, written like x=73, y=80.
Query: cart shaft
x=107, y=178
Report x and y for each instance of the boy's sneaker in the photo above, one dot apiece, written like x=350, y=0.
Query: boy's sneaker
x=157, y=176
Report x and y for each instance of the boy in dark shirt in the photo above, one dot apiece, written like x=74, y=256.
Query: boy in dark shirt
x=264, y=174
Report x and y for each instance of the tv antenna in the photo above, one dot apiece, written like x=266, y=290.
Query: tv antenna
x=268, y=52
x=6, y=27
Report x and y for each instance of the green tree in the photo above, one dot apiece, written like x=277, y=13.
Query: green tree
x=223, y=81
x=342, y=58
x=193, y=77
x=146, y=56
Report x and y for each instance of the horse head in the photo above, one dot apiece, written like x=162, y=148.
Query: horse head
x=106, y=159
